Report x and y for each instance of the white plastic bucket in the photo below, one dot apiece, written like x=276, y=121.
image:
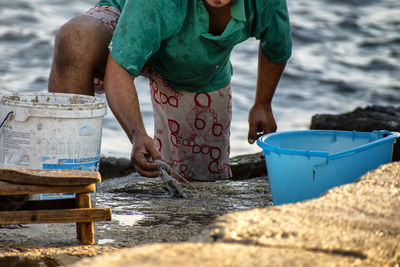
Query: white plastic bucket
x=51, y=131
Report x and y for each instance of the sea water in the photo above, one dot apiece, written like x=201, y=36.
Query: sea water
x=345, y=54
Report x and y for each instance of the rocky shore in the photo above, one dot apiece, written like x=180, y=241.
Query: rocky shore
x=142, y=213
x=356, y=224
x=230, y=223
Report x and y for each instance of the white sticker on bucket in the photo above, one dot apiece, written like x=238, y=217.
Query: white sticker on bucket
x=15, y=148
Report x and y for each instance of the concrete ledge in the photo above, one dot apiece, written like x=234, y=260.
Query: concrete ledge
x=352, y=225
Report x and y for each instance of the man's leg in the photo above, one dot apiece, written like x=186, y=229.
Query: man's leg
x=80, y=55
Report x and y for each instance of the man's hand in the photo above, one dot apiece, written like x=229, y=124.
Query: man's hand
x=144, y=152
x=124, y=102
x=261, y=121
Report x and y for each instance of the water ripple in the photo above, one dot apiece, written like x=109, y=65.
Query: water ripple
x=345, y=54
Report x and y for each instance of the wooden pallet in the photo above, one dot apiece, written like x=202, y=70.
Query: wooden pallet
x=77, y=209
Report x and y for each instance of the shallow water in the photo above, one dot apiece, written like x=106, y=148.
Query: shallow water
x=346, y=54
x=143, y=213
x=146, y=213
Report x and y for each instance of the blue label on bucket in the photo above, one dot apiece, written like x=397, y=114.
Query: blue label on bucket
x=83, y=164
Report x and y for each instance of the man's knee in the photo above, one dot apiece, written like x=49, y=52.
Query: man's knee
x=77, y=40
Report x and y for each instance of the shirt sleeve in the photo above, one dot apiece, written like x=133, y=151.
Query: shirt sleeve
x=275, y=39
x=141, y=28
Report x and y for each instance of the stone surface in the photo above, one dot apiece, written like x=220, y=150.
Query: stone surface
x=352, y=225
x=20, y=254
x=356, y=224
x=359, y=220
x=142, y=213
x=217, y=254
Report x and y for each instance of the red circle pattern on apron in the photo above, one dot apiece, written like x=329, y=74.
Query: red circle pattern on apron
x=192, y=130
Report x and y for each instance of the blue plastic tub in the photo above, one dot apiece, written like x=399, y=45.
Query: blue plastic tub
x=303, y=164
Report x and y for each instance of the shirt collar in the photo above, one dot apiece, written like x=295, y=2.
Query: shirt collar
x=237, y=10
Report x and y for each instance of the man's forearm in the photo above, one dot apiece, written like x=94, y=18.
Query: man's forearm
x=261, y=118
x=268, y=78
x=123, y=99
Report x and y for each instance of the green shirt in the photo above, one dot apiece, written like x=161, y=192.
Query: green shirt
x=173, y=36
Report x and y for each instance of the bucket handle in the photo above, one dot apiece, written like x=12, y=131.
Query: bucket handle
x=9, y=113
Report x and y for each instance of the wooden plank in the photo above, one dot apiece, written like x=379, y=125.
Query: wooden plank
x=85, y=230
x=86, y=235
x=53, y=204
x=83, y=200
x=14, y=189
x=55, y=216
x=49, y=177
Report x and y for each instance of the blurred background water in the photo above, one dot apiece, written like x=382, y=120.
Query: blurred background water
x=346, y=53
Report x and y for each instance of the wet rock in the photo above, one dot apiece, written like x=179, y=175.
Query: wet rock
x=248, y=166
x=366, y=119
x=361, y=119
x=142, y=213
x=243, y=167
x=111, y=167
